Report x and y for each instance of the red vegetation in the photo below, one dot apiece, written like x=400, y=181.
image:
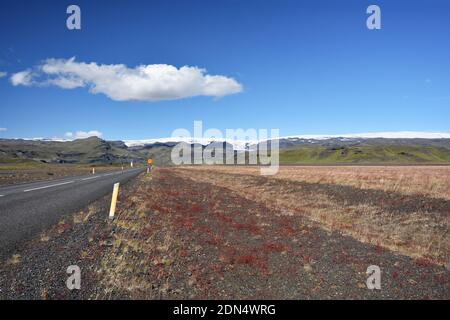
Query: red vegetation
x=196, y=208
x=251, y=228
x=275, y=247
x=247, y=259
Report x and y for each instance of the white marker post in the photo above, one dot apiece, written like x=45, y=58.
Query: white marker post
x=93, y=170
x=112, y=210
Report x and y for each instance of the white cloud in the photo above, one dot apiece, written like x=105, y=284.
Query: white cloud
x=24, y=78
x=3, y=129
x=3, y=74
x=142, y=83
x=83, y=134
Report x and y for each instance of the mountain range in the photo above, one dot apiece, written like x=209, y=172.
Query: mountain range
x=374, y=148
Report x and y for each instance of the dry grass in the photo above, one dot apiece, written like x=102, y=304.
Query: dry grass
x=83, y=216
x=431, y=181
x=119, y=268
x=15, y=259
x=66, y=223
x=423, y=234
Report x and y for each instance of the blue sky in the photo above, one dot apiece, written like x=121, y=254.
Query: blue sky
x=305, y=67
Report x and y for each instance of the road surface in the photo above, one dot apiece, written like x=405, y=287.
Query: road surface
x=28, y=209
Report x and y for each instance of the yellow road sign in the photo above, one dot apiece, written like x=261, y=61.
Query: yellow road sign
x=150, y=161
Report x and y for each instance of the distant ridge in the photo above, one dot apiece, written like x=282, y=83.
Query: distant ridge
x=405, y=147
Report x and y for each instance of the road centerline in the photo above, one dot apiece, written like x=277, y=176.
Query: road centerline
x=89, y=178
x=49, y=186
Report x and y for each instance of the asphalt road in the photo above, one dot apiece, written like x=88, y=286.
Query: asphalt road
x=28, y=209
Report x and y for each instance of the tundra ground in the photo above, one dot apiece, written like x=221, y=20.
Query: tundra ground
x=189, y=233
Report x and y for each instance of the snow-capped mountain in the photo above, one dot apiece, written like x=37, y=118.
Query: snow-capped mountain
x=379, y=135
x=248, y=144
x=237, y=144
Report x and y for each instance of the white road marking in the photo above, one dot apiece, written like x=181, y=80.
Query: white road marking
x=84, y=179
x=49, y=186
x=90, y=178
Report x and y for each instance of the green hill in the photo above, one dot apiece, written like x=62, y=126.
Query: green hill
x=378, y=154
x=89, y=151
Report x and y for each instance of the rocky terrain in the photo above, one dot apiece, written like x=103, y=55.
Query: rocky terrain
x=194, y=234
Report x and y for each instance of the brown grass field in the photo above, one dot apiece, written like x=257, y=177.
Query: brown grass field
x=431, y=181
x=405, y=209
